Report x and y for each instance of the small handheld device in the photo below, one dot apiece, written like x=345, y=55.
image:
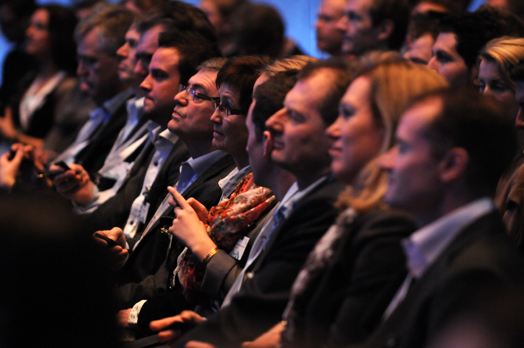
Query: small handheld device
x=110, y=243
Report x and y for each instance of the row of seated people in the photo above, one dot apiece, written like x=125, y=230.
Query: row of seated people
x=183, y=188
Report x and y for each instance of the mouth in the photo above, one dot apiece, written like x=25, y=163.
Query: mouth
x=335, y=151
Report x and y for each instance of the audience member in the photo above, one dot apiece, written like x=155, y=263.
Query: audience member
x=462, y=37
x=258, y=29
x=451, y=148
x=99, y=36
x=141, y=6
x=31, y=112
x=439, y=6
x=373, y=25
x=423, y=30
x=508, y=197
x=220, y=13
x=329, y=38
x=14, y=21
x=83, y=8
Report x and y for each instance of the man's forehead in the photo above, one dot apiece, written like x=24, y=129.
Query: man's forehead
x=418, y=117
x=205, y=79
x=148, y=41
x=446, y=41
x=360, y=6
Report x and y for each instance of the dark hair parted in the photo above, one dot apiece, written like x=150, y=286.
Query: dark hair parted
x=398, y=12
x=474, y=29
x=270, y=98
x=258, y=29
x=178, y=15
x=193, y=50
x=240, y=74
x=62, y=23
x=477, y=124
x=344, y=72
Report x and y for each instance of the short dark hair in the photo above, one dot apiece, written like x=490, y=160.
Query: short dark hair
x=240, y=74
x=62, y=23
x=178, y=15
x=258, y=29
x=478, y=124
x=398, y=12
x=270, y=98
x=344, y=71
x=474, y=29
x=425, y=23
x=192, y=48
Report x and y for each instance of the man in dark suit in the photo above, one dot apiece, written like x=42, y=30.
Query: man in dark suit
x=146, y=273
x=99, y=36
x=451, y=149
x=300, y=145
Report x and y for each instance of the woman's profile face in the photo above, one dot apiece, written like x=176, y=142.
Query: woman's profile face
x=492, y=83
x=37, y=34
x=358, y=138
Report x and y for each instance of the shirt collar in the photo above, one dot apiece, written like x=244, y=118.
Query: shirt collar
x=135, y=108
x=113, y=104
x=425, y=245
x=202, y=163
x=294, y=195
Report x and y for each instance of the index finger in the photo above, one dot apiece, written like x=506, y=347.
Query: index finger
x=179, y=199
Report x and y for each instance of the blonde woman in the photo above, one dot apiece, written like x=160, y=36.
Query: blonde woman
x=361, y=254
x=496, y=58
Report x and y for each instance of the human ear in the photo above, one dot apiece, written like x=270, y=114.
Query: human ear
x=453, y=164
x=385, y=29
x=268, y=143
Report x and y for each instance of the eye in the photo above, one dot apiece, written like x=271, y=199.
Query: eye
x=443, y=57
x=482, y=86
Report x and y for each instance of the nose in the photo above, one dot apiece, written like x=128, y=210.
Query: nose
x=181, y=97
x=215, y=117
x=123, y=51
x=146, y=84
x=333, y=131
x=386, y=160
x=141, y=69
x=342, y=23
x=433, y=64
x=274, y=123
x=487, y=91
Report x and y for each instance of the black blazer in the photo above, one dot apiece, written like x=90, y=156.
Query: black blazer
x=147, y=271
x=264, y=295
x=115, y=211
x=366, y=258
x=480, y=263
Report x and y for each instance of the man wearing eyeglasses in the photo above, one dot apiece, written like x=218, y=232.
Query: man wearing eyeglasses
x=146, y=273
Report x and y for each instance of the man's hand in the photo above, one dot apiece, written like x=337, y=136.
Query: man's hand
x=188, y=228
x=269, y=339
x=118, y=253
x=73, y=184
x=172, y=335
x=9, y=168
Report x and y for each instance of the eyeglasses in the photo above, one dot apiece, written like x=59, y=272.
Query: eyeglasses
x=199, y=97
x=226, y=110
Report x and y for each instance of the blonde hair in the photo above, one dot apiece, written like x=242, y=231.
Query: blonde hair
x=294, y=62
x=505, y=51
x=394, y=84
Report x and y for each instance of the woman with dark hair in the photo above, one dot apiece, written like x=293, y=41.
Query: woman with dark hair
x=49, y=40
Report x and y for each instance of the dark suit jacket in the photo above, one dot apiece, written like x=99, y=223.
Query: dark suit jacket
x=366, y=258
x=92, y=157
x=264, y=295
x=115, y=211
x=147, y=272
x=480, y=263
